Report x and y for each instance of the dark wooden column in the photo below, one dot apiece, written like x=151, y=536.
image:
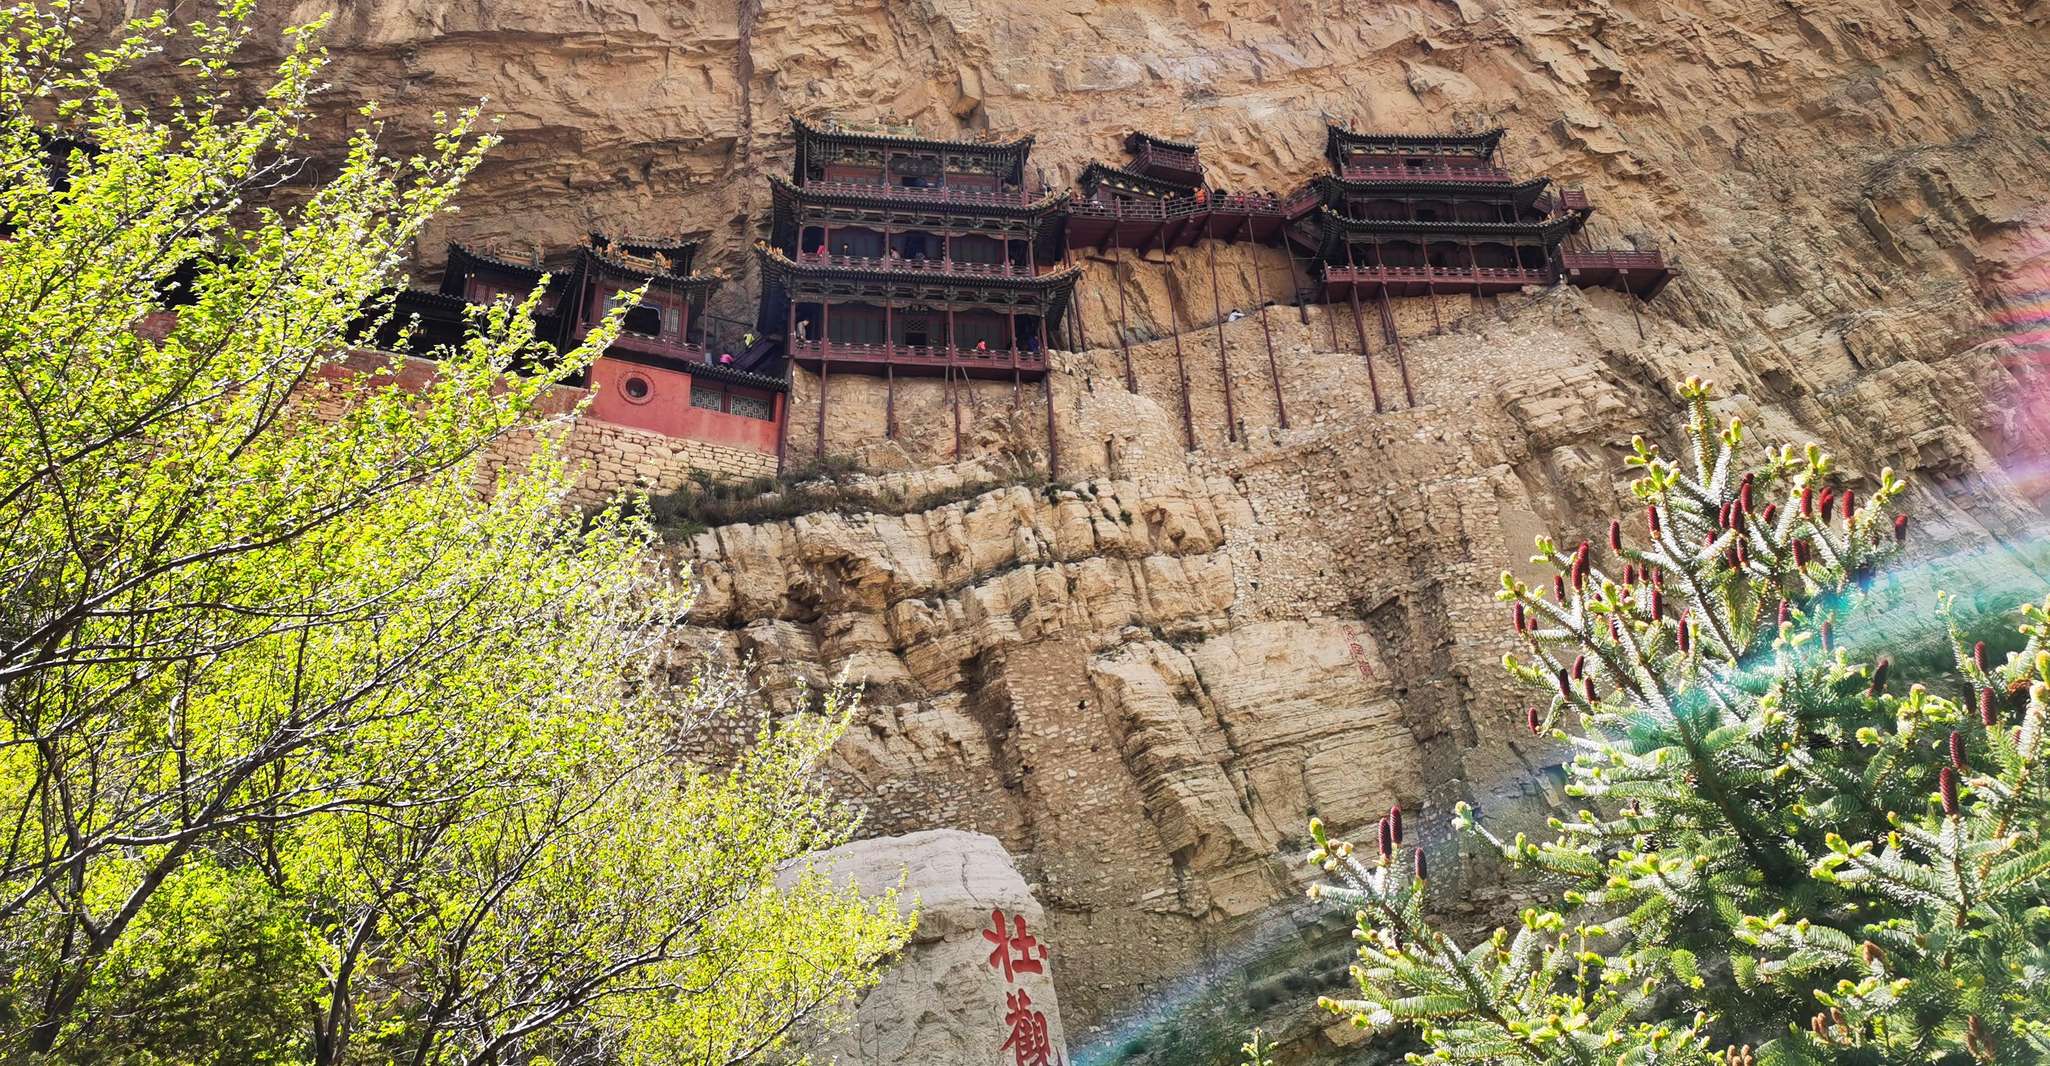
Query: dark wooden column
x=953, y=391
x=1117, y=268
x=825, y=358
x=1273, y=369
x=1181, y=367
x=1394, y=335
x=1231, y=422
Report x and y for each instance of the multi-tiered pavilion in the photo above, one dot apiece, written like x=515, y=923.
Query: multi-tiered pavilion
x=895, y=254
x=1410, y=214
x=661, y=374
x=1425, y=214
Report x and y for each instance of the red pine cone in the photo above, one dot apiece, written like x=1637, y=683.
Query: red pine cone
x=1828, y=632
x=1771, y=512
x=1946, y=783
x=1559, y=586
x=1587, y=686
x=1565, y=685
x=1395, y=819
x=1802, y=551
x=1878, y=677
x=1579, y=667
x=1686, y=634
x=1957, y=751
x=1421, y=873
x=1658, y=605
x=1989, y=711
x=1530, y=718
x=1651, y=519
x=1850, y=506
x=1744, y=495
x=1615, y=534
x=1522, y=623
x=1387, y=839
x=1900, y=529
x=1828, y=503
x=1807, y=502
x=1979, y=655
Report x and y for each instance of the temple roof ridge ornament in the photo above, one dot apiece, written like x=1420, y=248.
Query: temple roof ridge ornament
x=1138, y=137
x=645, y=268
x=1340, y=137
x=834, y=129
x=1111, y=173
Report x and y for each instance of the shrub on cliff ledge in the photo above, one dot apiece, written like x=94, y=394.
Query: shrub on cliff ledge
x=1785, y=856
x=309, y=752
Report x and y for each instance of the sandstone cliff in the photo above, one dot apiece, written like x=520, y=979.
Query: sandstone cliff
x=1142, y=678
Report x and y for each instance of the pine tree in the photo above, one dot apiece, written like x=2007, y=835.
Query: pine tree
x=1780, y=857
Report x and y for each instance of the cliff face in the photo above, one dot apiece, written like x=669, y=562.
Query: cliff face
x=1144, y=678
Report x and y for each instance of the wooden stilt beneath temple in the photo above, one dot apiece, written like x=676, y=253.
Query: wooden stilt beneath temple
x=1053, y=442
x=1117, y=271
x=1373, y=385
x=1394, y=339
x=1181, y=367
x=1231, y=421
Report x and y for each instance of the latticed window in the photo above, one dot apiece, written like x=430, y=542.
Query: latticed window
x=749, y=407
x=711, y=399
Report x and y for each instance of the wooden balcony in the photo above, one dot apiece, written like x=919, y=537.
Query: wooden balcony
x=1340, y=282
x=1167, y=163
x=927, y=195
x=1481, y=175
x=949, y=267
x=1641, y=273
x=918, y=360
x=1184, y=219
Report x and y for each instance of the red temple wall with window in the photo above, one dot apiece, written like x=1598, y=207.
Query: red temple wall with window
x=676, y=404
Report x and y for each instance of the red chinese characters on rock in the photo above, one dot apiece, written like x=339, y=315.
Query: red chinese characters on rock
x=1359, y=654
x=1028, y=1042
x=1014, y=950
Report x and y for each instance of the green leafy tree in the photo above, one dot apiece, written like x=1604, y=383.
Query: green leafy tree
x=320, y=741
x=1782, y=857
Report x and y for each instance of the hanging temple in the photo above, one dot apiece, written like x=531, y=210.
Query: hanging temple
x=895, y=255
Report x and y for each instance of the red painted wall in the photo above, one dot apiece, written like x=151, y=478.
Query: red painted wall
x=666, y=409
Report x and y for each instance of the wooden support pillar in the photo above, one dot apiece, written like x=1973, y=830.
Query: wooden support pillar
x=1623, y=284
x=953, y=391
x=1053, y=442
x=789, y=377
x=1017, y=388
x=1273, y=368
x=1358, y=325
x=1473, y=263
x=1181, y=367
x=1117, y=267
x=1231, y=422
x=825, y=357
x=1394, y=335
x=1079, y=325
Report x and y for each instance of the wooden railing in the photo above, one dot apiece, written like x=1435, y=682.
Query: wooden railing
x=1153, y=155
x=1512, y=275
x=1611, y=260
x=954, y=267
x=1473, y=175
x=932, y=194
x=919, y=355
x=1248, y=204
